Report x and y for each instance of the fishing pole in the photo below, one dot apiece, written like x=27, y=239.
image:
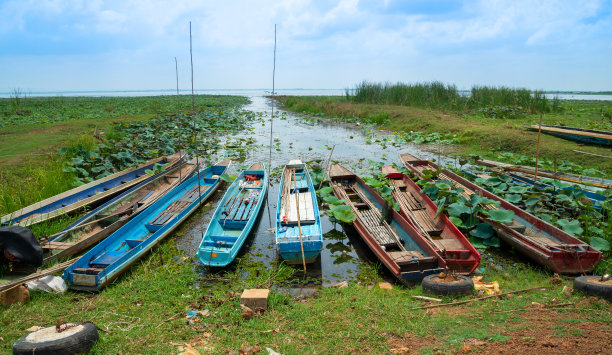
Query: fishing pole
x=271, y=125
x=178, y=113
x=195, y=136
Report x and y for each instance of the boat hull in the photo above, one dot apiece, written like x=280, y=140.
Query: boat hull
x=407, y=270
x=561, y=253
x=90, y=194
x=109, y=259
x=589, y=136
x=225, y=236
x=288, y=233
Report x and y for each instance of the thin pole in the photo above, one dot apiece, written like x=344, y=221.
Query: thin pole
x=195, y=137
x=535, y=176
x=326, y=166
x=178, y=114
x=271, y=124
x=297, y=207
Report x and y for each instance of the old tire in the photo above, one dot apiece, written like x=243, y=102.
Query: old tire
x=75, y=340
x=432, y=284
x=592, y=286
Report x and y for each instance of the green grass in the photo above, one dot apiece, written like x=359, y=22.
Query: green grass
x=475, y=133
x=437, y=95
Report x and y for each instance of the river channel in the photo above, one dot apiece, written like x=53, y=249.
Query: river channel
x=297, y=138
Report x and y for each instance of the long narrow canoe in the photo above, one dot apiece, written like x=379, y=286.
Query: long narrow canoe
x=557, y=175
x=89, y=194
x=115, y=254
x=535, y=238
x=298, y=226
x=591, y=136
x=420, y=211
x=234, y=218
x=398, y=246
x=104, y=220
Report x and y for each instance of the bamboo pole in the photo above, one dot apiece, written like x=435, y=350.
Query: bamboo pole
x=535, y=177
x=297, y=206
x=326, y=167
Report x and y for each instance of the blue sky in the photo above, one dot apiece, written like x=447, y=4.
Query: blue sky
x=62, y=45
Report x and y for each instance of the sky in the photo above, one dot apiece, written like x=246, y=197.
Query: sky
x=73, y=45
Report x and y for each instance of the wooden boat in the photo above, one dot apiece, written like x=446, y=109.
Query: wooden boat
x=106, y=219
x=400, y=247
x=535, y=238
x=545, y=173
x=89, y=194
x=107, y=260
x=298, y=226
x=591, y=136
x=420, y=211
x=234, y=218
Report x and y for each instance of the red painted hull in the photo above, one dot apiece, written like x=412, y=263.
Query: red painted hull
x=570, y=256
x=380, y=252
x=463, y=260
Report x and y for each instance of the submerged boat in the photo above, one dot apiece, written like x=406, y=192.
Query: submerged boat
x=591, y=136
x=107, y=260
x=420, y=211
x=89, y=194
x=298, y=226
x=535, y=238
x=234, y=218
x=400, y=247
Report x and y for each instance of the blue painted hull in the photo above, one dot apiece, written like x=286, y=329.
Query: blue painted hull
x=119, y=251
x=226, y=234
x=94, y=192
x=288, y=234
x=589, y=136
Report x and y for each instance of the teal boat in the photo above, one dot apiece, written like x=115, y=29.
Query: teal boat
x=298, y=226
x=107, y=260
x=234, y=218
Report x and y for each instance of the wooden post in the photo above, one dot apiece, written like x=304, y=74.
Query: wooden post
x=297, y=206
x=535, y=176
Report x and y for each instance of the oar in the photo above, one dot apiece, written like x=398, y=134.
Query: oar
x=297, y=206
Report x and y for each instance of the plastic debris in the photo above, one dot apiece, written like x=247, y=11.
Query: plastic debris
x=48, y=284
x=489, y=288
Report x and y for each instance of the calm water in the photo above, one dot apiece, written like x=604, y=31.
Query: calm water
x=307, y=141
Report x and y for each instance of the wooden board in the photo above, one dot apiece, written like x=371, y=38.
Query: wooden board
x=305, y=206
x=337, y=171
x=405, y=256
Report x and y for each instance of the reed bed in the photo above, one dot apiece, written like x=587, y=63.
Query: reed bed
x=437, y=95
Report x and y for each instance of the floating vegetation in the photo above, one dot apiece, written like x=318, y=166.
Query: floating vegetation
x=132, y=143
x=29, y=110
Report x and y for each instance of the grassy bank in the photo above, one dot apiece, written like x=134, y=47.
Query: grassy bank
x=486, y=135
x=145, y=311
x=437, y=95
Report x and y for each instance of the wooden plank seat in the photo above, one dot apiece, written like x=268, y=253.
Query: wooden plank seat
x=449, y=244
x=220, y=241
x=306, y=209
x=56, y=245
x=293, y=233
x=239, y=209
x=106, y=259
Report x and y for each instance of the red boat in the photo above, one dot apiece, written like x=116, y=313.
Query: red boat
x=420, y=211
x=535, y=238
x=400, y=247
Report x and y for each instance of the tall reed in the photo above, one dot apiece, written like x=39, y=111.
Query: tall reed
x=446, y=96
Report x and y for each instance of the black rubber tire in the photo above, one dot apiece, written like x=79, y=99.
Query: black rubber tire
x=77, y=343
x=463, y=286
x=593, y=288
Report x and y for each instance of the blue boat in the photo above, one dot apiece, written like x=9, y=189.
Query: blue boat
x=120, y=250
x=89, y=194
x=298, y=226
x=591, y=136
x=234, y=217
x=107, y=218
